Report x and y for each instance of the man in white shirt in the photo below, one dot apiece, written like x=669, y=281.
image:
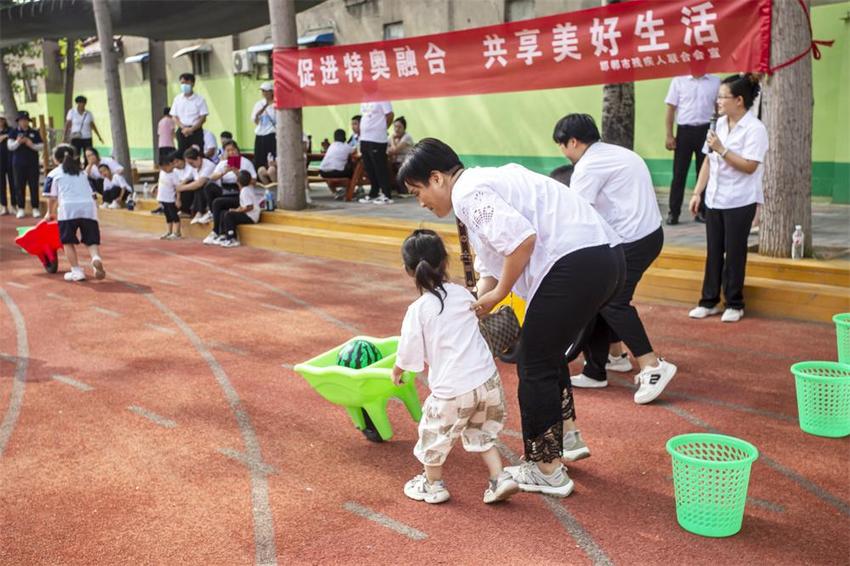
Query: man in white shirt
x=264, y=116
x=336, y=163
x=376, y=117
x=691, y=101
x=616, y=181
x=190, y=112
x=210, y=145
x=79, y=124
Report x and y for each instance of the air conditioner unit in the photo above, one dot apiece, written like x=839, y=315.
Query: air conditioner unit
x=243, y=62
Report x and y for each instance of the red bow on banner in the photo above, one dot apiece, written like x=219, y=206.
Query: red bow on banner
x=813, y=48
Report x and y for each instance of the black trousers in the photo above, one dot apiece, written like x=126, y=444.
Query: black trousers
x=619, y=320
x=689, y=142
x=112, y=194
x=218, y=207
x=187, y=200
x=184, y=143
x=263, y=146
x=337, y=174
x=377, y=169
x=6, y=183
x=726, y=232
x=568, y=298
x=230, y=220
x=81, y=144
x=25, y=175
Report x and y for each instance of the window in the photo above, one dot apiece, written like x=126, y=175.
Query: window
x=394, y=30
x=516, y=10
x=200, y=63
x=30, y=83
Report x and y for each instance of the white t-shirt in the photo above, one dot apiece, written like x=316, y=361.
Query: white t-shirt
x=250, y=196
x=74, y=194
x=113, y=165
x=694, y=99
x=268, y=119
x=502, y=206
x=336, y=157
x=406, y=139
x=727, y=187
x=80, y=123
x=188, y=109
x=187, y=173
x=205, y=170
x=117, y=181
x=449, y=342
x=230, y=177
x=616, y=181
x=373, y=123
x=209, y=141
x=166, y=187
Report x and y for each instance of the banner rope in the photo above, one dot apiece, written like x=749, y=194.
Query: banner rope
x=813, y=46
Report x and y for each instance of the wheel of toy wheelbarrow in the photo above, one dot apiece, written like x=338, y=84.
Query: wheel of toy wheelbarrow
x=370, y=432
x=52, y=266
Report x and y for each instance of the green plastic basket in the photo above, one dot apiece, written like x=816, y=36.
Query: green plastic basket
x=711, y=473
x=842, y=336
x=823, y=397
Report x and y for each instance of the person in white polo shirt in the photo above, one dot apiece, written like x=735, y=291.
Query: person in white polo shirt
x=731, y=180
x=265, y=126
x=79, y=125
x=691, y=102
x=337, y=163
x=616, y=181
x=375, y=118
x=190, y=112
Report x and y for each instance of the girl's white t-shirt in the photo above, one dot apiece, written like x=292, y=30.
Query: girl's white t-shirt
x=74, y=193
x=449, y=342
x=230, y=177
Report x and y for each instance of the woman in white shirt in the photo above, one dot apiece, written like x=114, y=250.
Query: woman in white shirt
x=92, y=168
x=731, y=181
x=225, y=196
x=401, y=142
x=547, y=245
x=79, y=125
x=265, y=126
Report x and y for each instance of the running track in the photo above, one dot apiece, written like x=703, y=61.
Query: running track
x=154, y=418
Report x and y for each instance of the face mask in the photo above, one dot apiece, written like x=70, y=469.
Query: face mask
x=185, y=88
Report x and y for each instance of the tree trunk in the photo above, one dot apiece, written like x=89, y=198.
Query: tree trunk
x=109, y=61
x=159, y=88
x=618, y=110
x=7, y=95
x=291, y=168
x=70, y=70
x=787, y=114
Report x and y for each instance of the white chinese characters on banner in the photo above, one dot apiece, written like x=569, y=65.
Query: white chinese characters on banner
x=565, y=42
x=528, y=49
x=305, y=73
x=605, y=40
x=494, y=50
x=699, y=28
x=329, y=69
x=405, y=62
x=353, y=65
x=378, y=65
x=436, y=60
x=647, y=28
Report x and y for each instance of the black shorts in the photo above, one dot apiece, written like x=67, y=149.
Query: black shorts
x=89, y=231
x=170, y=210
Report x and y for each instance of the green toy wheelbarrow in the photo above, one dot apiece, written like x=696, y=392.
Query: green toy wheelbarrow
x=363, y=392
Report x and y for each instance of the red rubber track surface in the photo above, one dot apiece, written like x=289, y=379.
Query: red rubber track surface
x=206, y=337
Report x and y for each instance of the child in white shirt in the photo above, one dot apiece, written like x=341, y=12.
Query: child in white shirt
x=68, y=190
x=166, y=195
x=248, y=211
x=115, y=188
x=467, y=399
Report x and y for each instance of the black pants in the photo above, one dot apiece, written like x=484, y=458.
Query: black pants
x=568, y=298
x=96, y=185
x=25, y=175
x=689, y=142
x=336, y=174
x=218, y=207
x=187, y=201
x=263, y=146
x=6, y=183
x=112, y=194
x=377, y=169
x=726, y=232
x=184, y=143
x=619, y=320
x=230, y=220
x=171, y=214
x=81, y=144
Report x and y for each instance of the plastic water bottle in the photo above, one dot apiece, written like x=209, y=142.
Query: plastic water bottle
x=269, y=200
x=798, y=240
x=146, y=189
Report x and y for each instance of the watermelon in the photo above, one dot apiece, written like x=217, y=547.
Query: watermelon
x=358, y=354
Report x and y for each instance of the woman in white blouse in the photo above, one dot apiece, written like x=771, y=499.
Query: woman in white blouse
x=547, y=245
x=731, y=182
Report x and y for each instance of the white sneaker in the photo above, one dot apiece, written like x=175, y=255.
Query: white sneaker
x=97, y=266
x=366, y=200
x=420, y=490
x=36, y=213
x=703, y=312
x=175, y=237
x=197, y=218
x=653, y=380
x=210, y=239
x=732, y=315
x=383, y=200
x=3, y=211
x=166, y=236
x=583, y=382
x=76, y=274
x=500, y=488
x=20, y=213
x=219, y=240
x=230, y=244
x=206, y=218
x=114, y=204
x=530, y=478
x=619, y=363
x=104, y=205
x=574, y=447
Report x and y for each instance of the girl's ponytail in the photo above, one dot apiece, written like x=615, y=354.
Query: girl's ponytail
x=425, y=258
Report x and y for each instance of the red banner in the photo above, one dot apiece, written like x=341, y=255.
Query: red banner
x=631, y=41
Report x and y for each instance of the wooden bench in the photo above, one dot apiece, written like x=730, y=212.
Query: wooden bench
x=350, y=184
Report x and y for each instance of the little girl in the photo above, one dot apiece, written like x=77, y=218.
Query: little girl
x=467, y=399
x=68, y=186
